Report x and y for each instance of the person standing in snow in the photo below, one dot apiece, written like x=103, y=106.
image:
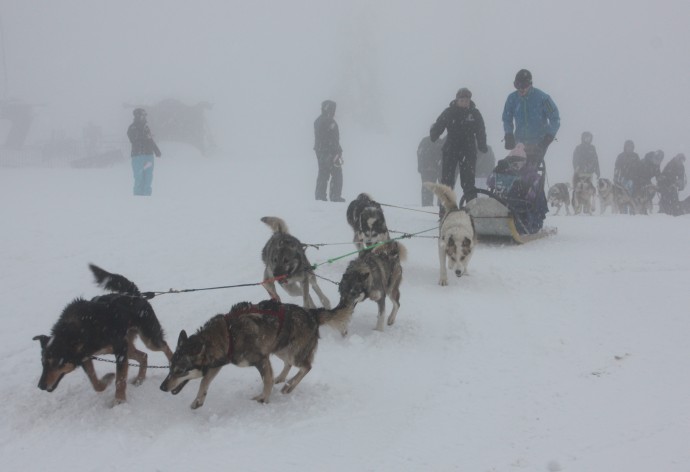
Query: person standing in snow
x=143, y=150
x=625, y=167
x=585, y=159
x=429, y=157
x=649, y=168
x=329, y=154
x=466, y=133
x=531, y=117
x=671, y=181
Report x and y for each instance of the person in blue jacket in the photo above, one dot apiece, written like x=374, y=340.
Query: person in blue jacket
x=530, y=117
x=143, y=150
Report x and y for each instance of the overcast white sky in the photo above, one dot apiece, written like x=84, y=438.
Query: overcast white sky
x=618, y=69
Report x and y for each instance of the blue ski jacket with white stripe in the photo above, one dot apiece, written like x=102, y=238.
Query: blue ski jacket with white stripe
x=531, y=117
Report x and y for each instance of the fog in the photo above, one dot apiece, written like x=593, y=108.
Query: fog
x=619, y=71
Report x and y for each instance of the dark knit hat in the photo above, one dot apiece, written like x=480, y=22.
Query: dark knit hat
x=523, y=79
x=463, y=93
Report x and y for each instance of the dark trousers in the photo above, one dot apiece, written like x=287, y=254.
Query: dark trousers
x=428, y=195
x=668, y=200
x=328, y=171
x=467, y=164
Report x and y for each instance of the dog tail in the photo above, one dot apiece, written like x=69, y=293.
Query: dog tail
x=113, y=282
x=276, y=224
x=445, y=195
x=338, y=317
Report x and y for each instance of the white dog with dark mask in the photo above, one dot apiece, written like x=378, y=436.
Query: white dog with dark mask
x=456, y=237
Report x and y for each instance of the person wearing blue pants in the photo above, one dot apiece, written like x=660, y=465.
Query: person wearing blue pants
x=143, y=150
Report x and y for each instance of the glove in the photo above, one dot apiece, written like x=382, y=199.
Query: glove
x=548, y=139
x=510, y=141
x=338, y=160
x=483, y=149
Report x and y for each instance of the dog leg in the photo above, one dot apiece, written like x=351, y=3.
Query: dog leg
x=443, y=278
x=122, y=366
x=137, y=355
x=322, y=296
x=382, y=313
x=293, y=382
x=203, y=387
x=394, y=297
x=283, y=374
x=306, y=297
x=98, y=384
x=270, y=285
x=266, y=372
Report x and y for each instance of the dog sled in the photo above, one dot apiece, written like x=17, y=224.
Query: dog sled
x=513, y=206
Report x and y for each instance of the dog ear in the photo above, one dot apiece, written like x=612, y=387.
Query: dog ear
x=182, y=338
x=43, y=340
x=363, y=276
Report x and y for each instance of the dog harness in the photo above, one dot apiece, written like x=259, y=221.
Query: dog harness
x=270, y=308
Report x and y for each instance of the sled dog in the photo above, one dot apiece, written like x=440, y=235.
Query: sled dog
x=584, y=192
x=614, y=196
x=559, y=196
x=644, y=199
x=456, y=237
x=365, y=216
x=107, y=324
x=246, y=336
x=374, y=275
x=284, y=256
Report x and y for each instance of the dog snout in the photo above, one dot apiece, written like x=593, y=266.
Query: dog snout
x=458, y=273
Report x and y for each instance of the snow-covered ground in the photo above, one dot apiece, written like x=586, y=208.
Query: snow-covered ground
x=570, y=353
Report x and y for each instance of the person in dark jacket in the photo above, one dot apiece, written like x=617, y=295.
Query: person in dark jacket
x=648, y=169
x=626, y=166
x=429, y=157
x=143, y=150
x=466, y=133
x=585, y=159
x=329, y=154
x=671, y=181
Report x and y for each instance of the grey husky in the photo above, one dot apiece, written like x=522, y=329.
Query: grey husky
x=584, y=192
x=285, y=259
x=374, y=275
x=365, y=216
x=614, y=196
x=456, y=237
x=559, y=196
x=246, y=336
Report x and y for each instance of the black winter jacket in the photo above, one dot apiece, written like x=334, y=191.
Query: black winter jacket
x=625, y=167
x=585, y=159
x=674, y=174
x=466, y=131
x=646, y=170
x=326, y=136
x=142, y=142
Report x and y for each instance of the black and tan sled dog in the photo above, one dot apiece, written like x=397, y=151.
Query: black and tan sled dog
x=107, y=324
x=246, y=336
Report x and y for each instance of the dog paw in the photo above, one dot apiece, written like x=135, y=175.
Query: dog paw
x=260, y=399
x=196, y=404
x=137, y=381
x=287, y=388
x=443, y=282
x=279, y=380
x=104, y=382
x=119, y=401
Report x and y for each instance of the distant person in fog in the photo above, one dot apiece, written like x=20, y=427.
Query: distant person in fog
x=329, y=154
x=143, y=150
x=429, y=165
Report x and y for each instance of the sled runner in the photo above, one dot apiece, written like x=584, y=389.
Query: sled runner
x=514, y=206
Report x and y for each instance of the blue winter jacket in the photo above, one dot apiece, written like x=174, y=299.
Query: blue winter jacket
x=531, y=117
